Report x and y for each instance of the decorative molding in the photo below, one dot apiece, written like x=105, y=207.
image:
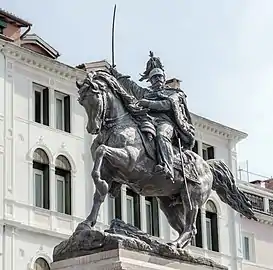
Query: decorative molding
x=71, y=135
x=208, y=126
x=39, y=254
x=65, y=153
x=43, y=146
x=33, y=59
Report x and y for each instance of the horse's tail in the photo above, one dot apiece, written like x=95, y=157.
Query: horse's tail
x=224, y=185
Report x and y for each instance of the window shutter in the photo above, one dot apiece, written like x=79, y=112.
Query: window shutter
x=67, y=113
x=118, y=206
x=37, y=102
x=155, y=217
x=68, y=193
x=137, y=210
x=198, y=236
x=214, y=228
x=46, y=187
x=46, y=106
x=210, y=152
x=195, y=148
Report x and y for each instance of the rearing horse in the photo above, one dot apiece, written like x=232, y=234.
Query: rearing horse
x=120, y=158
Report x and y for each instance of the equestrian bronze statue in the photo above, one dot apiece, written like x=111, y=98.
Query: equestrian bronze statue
x=144, y=140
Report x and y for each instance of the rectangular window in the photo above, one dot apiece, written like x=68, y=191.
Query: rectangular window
x=248, y=247
x=62, y=111
x=38, y=187
x=111, y=209
x=133, y=207
x=59, y=114
x=207, y=151
x=41, y=104
x=60, y=193
x=130, y=209
x=149, y=217
x=246, y=250
x=209, y=235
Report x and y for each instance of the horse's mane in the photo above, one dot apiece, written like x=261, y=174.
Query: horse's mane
x=128, y=100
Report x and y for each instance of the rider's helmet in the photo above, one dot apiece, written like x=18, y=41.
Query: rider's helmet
x=153, y=67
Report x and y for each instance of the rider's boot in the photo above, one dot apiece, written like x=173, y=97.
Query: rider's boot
x=165, y=157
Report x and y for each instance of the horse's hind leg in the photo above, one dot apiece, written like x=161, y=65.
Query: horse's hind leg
x=181, y=218
x=174, y=214
x=190, y=227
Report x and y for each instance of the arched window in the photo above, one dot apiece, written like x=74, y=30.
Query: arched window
x=41, y=264
x=212, y=226
x=41, y=178
x=63, y=184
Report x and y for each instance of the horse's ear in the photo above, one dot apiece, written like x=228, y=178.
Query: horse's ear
x=78, y=84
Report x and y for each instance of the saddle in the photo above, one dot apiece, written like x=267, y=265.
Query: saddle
x=189, y=158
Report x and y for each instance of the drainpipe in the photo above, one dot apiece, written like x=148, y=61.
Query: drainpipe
x=23, y=35
x=4, y=161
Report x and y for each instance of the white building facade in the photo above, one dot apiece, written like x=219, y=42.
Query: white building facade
x=45, y=164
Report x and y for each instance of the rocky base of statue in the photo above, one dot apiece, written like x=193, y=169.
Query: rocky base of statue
x=86, y=241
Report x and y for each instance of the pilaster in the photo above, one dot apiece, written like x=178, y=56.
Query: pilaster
x=143, y=225
x=9, y=166
x=123, y=204
x=203, y=228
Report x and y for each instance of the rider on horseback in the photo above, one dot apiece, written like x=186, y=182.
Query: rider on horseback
x=168, y=109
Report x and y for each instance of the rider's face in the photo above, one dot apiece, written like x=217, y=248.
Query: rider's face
x=157, y=80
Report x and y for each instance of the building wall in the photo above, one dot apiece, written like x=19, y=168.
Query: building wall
x=27, y=231
x=263, y=241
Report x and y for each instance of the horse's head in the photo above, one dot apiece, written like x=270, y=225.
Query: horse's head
x=91, y=97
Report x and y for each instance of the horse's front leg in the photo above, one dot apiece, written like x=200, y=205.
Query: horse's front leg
x=98, y=199
x=119, y=158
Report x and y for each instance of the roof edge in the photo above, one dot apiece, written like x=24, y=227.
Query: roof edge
x=15, y=18
x=35, y=39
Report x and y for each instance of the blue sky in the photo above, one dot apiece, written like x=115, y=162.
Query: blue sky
x=221, y=50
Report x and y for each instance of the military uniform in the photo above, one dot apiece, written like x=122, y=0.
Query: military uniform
x=170, y=116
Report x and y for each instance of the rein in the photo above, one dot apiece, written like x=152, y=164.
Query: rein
x=109, y=122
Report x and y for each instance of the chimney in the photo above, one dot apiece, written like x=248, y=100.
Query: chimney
x=173, y=83
x=94, y=66
x=269, y=184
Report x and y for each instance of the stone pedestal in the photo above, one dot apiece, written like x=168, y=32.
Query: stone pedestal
x=126, y=259
x=122, y=247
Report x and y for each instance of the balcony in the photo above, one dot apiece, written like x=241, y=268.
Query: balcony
x=260, y=197
x=257, y=201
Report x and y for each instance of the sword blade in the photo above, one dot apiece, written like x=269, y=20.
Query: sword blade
x=113, y=36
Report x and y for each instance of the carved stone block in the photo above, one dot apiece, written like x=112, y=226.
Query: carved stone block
x=122, y=247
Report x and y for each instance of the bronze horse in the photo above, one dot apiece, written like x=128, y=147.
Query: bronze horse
x=120, y=157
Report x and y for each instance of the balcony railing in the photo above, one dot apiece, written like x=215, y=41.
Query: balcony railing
x=257, y=201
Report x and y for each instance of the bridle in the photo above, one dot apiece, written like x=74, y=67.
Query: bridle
x=105, y=121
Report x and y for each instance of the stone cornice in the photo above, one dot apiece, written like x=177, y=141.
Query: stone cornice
x=217, y=129
x=33, y=59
